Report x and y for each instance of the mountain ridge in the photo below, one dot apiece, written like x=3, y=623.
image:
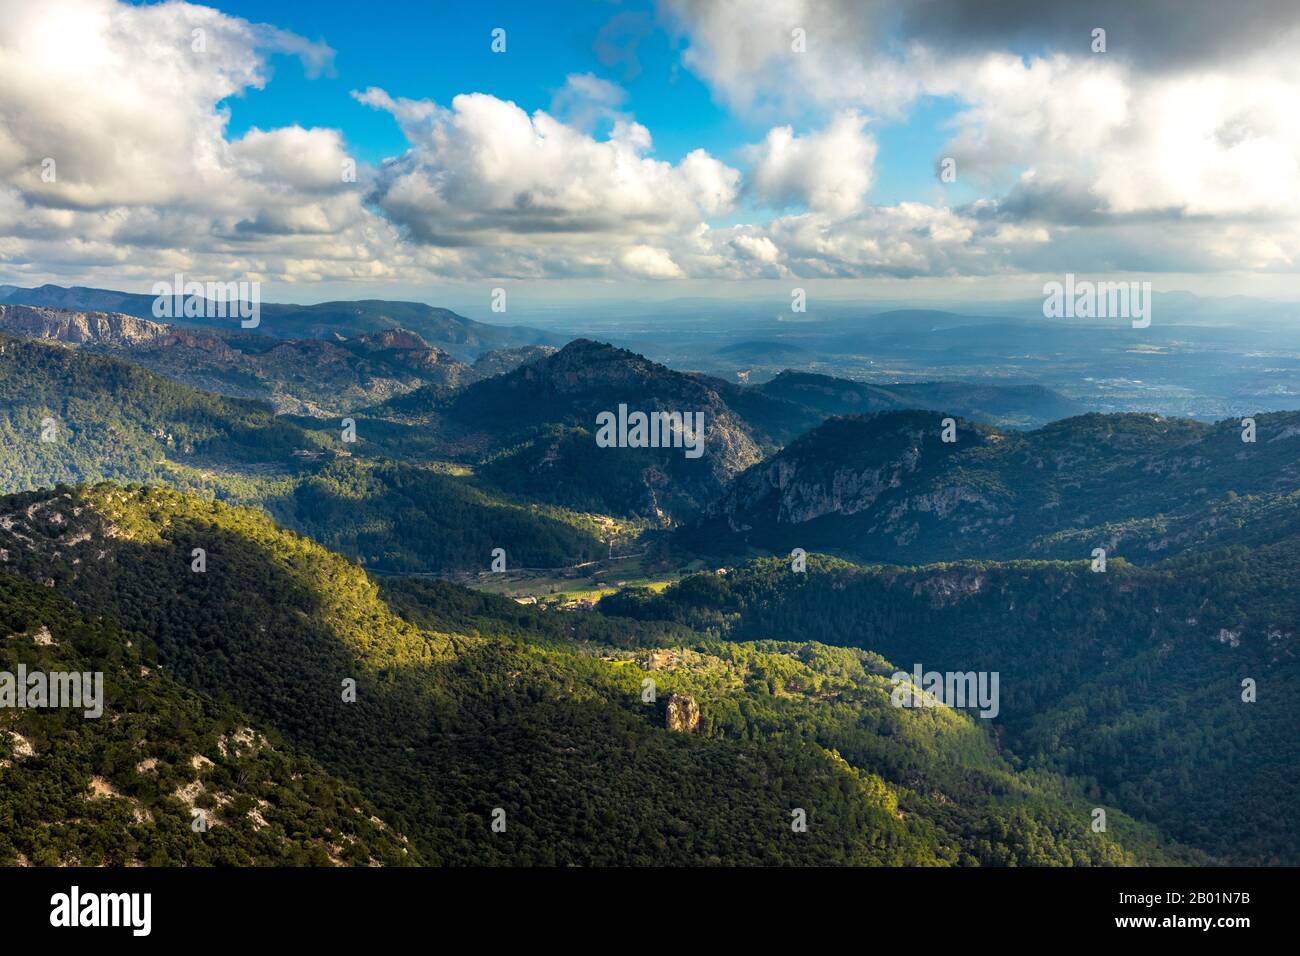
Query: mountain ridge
x=317, y=377
x=887, y=487
x=462, y=337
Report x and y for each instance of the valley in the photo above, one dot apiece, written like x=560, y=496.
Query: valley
x=501, y=587
x=482, y=460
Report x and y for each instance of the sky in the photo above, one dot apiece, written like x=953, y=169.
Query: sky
x=651, y=149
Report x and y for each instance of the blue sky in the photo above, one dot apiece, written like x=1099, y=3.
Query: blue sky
x=436, y=50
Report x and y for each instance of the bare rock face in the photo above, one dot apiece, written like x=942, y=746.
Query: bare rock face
x=80, y=328
x=683, y=714
x=399, y=339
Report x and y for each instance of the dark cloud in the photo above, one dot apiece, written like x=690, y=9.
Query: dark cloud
x=1068, y=203
x=1060, y=203
x=1149, y=34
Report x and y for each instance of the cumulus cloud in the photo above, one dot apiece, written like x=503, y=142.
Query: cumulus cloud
x=1187, y=119
x=758, y=248
x=1096, y=144
x=647, y=262
x=113, y=144
x=827, y=171
x=874, y=53
x=749, y=53
x=1178, y=149
x=121, y=100
x=147, y=178
x=484, y=172
x=904, y=241
x=1154, y=35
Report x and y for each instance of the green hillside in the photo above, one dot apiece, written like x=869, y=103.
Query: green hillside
x=887, y=487
x=109, y=420
x=1129, y=681
x=122, y=789
x=465, y=704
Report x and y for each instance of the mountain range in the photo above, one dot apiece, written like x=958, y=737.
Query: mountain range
x=469, y=711
x=888, y=487
x=250, y=536
x=69, y=416
x=533, y=428
x=461, y=337
x=320, y=377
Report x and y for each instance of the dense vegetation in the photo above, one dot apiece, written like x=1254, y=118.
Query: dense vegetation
x=462, y=709
x=533, y=430
x=1120, y=690
x=108, y=420
x=69, y=416
x=122, y=788
x=395, y=517
x=1129, y=681
x=888, y=487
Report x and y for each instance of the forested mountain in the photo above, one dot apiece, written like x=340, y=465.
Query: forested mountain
x=316, y=377
x=130, y=786
x=534, y=428
x=887, y=487
x=1131, y=680
x=66, y=415
x=470, y=710
x=70, y=416
x=808, y=433
x=1120, y=690
x=528, y=429
x=464, y=338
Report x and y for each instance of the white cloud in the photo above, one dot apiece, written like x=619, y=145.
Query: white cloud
x=909, y=239
x=758, y=248
x=827, y=171
x=118, y=97
x=485, y=173
x=1082, y=162
x=126, y=102
x=647, y=262
x=1178, y=139
x=746, y=51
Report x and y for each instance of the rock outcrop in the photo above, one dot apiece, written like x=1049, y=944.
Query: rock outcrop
x=80, y=328
x=683, y=714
